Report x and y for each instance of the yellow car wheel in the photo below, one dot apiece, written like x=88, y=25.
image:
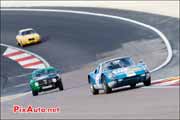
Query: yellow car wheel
x=20, y=44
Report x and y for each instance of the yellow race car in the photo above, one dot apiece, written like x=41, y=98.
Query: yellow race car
x=27, y=36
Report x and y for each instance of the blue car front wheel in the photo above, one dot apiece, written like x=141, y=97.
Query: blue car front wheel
x=147, y=82
x=106, y=88
x=93, y=90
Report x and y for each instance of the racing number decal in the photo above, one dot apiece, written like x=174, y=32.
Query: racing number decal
x=130, y=73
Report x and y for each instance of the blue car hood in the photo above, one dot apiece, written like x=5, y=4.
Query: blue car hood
x=126, y=72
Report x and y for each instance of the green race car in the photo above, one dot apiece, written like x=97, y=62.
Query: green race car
x=44, y=79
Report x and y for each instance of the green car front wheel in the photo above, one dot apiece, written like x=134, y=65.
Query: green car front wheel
x=60, y=85
x=34, y=93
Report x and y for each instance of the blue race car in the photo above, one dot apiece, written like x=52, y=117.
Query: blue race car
x=116, y=73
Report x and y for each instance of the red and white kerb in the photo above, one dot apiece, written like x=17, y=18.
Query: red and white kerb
x=26, y=60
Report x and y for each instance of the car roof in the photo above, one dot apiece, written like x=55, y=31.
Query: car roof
x=114, y=59
x=27, y=29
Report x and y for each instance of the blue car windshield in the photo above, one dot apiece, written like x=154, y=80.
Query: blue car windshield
x=118, y=63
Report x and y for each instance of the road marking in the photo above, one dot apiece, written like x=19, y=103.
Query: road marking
x=45, y=63
x=165, y=83
x=13, y=53
x=11, y=97
x=8, y=51
x=176, y=84
x=25, y=59
x=38, y=66
x=28, y=61
x=23, y=55
x=172, y=82
x=162, y=81
x=32, y=64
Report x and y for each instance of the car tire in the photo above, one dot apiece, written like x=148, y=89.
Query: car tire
x=60, y=85
x=34, y=93
x=133, y=85
x=18, y=43
x=106, y=88
x=147, y=82
x=93, y=90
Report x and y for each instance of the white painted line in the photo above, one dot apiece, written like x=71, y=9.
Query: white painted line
x=11, y=97
x=19, y=76
x=28, y=61
x=20, y=85
x=163, y=37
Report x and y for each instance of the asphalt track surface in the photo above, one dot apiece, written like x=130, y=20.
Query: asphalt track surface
x=71, y=41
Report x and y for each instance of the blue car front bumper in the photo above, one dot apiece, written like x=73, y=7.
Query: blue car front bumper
x=127, y=81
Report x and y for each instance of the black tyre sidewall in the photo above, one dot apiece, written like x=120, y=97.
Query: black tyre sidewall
x=60, y=85
x=147, y=82
x=34, y=93
x=93, y=90
x=133, y=85
x=107, y=89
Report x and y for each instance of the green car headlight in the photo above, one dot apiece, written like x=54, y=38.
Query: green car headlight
x=54, y=80
x=58, y=75
x=36, y=84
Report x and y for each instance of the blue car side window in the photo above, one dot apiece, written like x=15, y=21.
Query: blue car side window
x=97, y=70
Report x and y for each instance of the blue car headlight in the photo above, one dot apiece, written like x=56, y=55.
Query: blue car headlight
x=142, y=75
x=110, y=75
x=147, y=75
x=120, y=80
